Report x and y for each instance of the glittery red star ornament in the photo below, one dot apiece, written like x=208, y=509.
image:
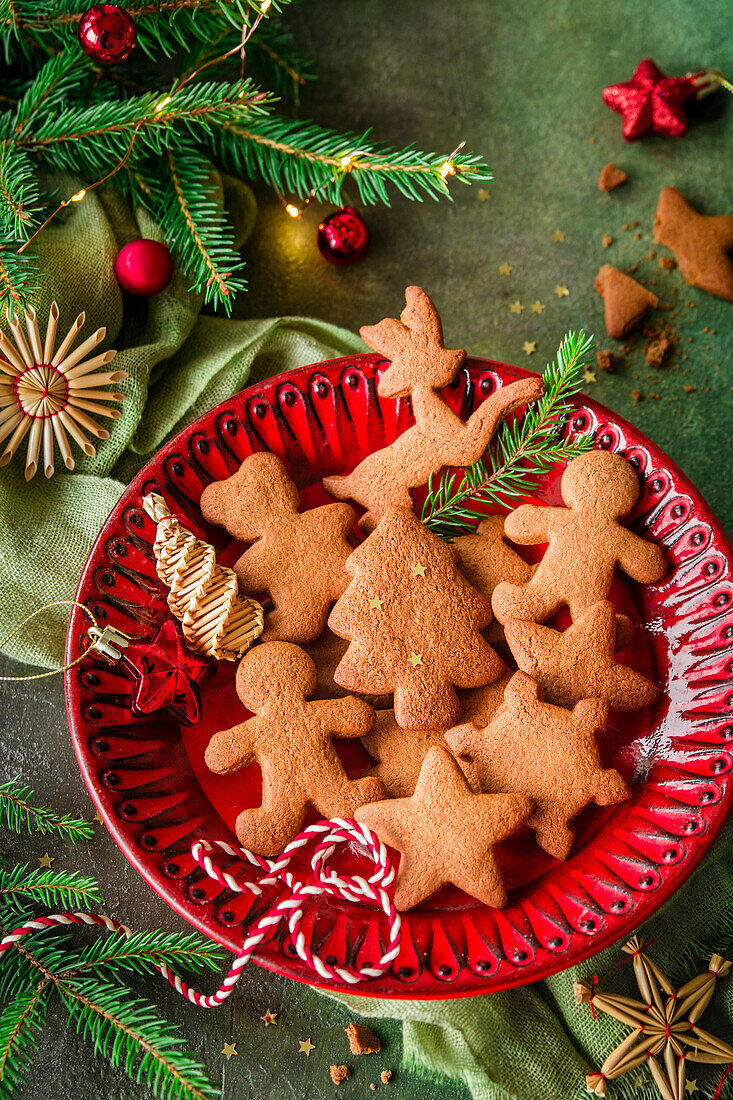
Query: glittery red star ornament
x=166, y=675
x=651, y=102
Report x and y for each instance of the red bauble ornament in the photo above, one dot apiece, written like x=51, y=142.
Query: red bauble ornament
x=166, y=675
x=144, y=267
x=651, y=102
x=107, y=33
x=343, y=238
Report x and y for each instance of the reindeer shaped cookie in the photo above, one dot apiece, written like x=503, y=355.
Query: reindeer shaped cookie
x=420, y=366
x=290, y=737
x=298, y=557
x=585, y=542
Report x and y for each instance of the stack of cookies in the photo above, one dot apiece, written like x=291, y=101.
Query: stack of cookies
x=394, y=639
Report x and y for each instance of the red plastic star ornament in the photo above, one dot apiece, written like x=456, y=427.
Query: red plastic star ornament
x=651, y=102
x=166, y=675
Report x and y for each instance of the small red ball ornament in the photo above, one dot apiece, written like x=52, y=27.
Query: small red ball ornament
x=144, y=267
x=343, y=238
x=107, y=33
x=652, y=103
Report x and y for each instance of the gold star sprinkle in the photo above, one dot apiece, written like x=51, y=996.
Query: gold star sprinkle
x=375, y=604
x=46, y=860
x=269, y=1018
x=558, y=235
x=306, y=1046
x=537, y=307
x=691, y=1085
x=589, y=375
x=415, y=659
x=529, y=347
x=516, y=307
x=418, y=570
x=230, y=1050
x=561, y=291
x=505, y=269
x=483, y=195
x=98, y=817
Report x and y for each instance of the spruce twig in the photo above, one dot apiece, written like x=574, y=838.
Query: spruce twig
x=17, y=813
x=521, y=451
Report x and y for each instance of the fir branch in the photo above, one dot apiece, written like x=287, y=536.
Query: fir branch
x=18, y=191
x=521, y=451
x=19, y=1021
x=21, y=887
x=140, y=952
x=195, y=226
x=19, y=277
x=297, y=157
x=128, y=1032
x=17, y=813
x=52, y=86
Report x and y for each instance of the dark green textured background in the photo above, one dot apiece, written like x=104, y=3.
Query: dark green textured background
x=521, y=82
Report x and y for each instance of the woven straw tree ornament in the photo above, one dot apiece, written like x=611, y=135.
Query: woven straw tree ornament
x=47, y=393
x=204, y=596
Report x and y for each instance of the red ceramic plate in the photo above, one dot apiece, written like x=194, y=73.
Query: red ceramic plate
x=155, y=795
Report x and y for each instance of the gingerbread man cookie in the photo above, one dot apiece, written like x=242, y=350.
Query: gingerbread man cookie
x=290, y=738
x=298, y=557
x=585, y=542
x=446, y=833
x=578, y=663
x=701, y=244
x=414, y=624
x=421, y=366
x=545, y=753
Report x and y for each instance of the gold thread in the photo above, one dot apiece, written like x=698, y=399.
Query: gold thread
x=40, y=610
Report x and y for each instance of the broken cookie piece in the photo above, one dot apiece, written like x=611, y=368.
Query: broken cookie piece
x=625, y=301
x=611, y=177
x=339, y=1074
x=362, y=1039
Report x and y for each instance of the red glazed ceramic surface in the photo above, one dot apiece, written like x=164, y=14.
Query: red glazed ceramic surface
x=156, y=796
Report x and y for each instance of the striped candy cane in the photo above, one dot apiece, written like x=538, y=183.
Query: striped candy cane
x=329, y=835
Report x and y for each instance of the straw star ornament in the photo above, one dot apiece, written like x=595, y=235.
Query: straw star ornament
x=665, y=1031
x=48, y=392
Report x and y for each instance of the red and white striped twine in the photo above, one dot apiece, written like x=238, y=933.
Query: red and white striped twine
x=353, y=888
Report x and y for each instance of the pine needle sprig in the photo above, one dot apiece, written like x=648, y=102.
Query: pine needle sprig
x=17, y=813
x=140, y=952
x=522, y=450
x=20, y=276
x=20, y=1022
x=128, y=1032
x=23, y=888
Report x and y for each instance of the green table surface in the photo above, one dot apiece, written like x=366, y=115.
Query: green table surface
x=521, y=82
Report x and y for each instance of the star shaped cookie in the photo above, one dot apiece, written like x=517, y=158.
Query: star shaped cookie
x=446, y=833
x=546, y=754
x=700, y=244
x=578, y=663
x=399, y=753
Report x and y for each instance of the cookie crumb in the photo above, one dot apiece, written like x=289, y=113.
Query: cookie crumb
x=636, y=394
x=386, y=1076
x=362, y=1039
x=373, y=1087
x=607, y=240
x=339, y=1074
x=668, y=263
x=657, y=349
x=637, y=236
x=611, y=177
x=689, y=389
x=606, y=361
x=633, y=225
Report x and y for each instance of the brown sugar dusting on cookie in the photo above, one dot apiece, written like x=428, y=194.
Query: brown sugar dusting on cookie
x=625, y=301
x=339, y=1074
x=700, y=244
x=611, y=177
x=362, y=1039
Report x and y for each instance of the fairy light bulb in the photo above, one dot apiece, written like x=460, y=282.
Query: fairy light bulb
x=78, y=196
x=292, y=210
x=447, y=169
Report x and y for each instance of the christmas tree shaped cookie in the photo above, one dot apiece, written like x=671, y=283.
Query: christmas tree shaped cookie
x=446, y=833
x=585, y=542
x=414, y=624
x=420, y=365
x=290, y=737
x=545, y=753
x=578, y=663
x=298, y=557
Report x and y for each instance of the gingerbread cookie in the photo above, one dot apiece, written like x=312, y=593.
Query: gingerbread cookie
x=585, y=542
x=625, y=301
x=290, y=738
x=446, y=833
x=700, y=244
x=326, y=652
x=414, y=624
x=611, y=177
x=399, y=754
x=420, y=366
x=298, y=557
x=486, y=559
x=544, y=753
x=578, y=663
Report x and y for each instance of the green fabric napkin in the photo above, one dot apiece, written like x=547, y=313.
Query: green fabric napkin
x=531, y=1043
